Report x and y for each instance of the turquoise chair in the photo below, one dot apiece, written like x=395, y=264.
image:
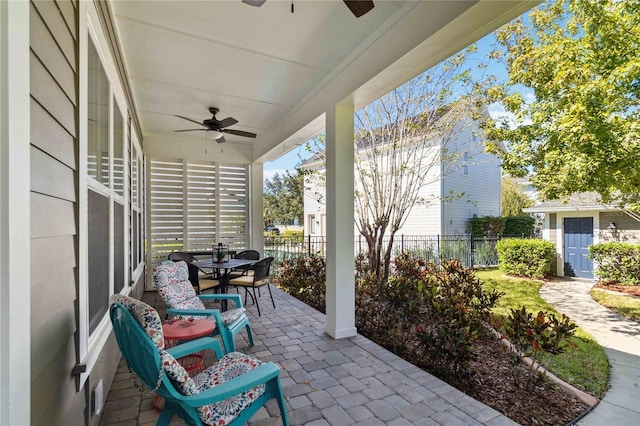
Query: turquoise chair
x=172, y=280
x=226, y=393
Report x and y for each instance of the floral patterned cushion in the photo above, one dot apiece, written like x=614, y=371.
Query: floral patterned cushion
x=232, y=365
x=232, y=314
x=170, y=272
x=193, y=303
x=177, y=374
x=176, y=293
x=146, y=316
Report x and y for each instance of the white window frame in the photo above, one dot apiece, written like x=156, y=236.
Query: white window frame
x=137, y=207
x=90, y=345
x=313, y=229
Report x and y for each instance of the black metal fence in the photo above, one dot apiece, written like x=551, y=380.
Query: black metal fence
x=473, y=252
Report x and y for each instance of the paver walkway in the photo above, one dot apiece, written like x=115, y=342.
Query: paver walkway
x=621, y=341
x=325, y=381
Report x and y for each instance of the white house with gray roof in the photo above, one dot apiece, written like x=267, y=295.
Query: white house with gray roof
x=474, y=180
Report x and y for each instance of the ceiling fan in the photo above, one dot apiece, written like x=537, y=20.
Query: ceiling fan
x=216, y=127
x=357, y=7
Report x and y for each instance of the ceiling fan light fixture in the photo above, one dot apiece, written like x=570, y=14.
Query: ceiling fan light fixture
x=213, y=134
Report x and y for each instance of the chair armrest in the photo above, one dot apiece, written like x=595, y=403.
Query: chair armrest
x=234, y=297
x=196, y=345
x=194, y=312
x=235, y=386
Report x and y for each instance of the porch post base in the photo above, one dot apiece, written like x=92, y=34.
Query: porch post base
x=341, y=333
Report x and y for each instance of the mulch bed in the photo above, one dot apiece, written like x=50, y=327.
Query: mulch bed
x=497, y=384
x=629, y=290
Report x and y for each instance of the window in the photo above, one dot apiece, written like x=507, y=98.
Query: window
x=465, y=166
x=135, y=188
x=118, y=148
x=106, y=237
x=98, y=119
x=98, y=260
x=312, y=224
x=97, y=201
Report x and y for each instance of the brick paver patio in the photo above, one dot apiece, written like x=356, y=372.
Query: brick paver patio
x=326, y=381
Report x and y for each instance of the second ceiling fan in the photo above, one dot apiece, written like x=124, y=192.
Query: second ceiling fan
x=357, y=7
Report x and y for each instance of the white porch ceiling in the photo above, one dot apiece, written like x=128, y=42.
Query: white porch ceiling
x=277, y=72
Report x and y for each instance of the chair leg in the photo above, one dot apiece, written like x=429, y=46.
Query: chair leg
x=228, y=341
x=246, y=293
x=165, y=416
x=255, y=298
x=249, y=334
x=281, y=403
x=271, y=294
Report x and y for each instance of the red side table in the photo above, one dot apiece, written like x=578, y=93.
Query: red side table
x=179, y=331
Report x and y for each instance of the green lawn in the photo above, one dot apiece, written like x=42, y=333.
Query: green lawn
x=628, y=307
x=585, y=367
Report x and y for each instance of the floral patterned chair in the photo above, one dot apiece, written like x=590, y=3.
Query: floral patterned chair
x=226, y=393
x=172, y=280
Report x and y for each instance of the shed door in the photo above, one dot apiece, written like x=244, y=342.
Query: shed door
x=578, y=236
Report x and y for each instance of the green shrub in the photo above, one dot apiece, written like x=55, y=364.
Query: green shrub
x=518, y=226
x=297, y=235
x=487, y=226
x=305, y=278
x=458, y=308
x=428, y=314
x=538, y=337
x=525, y=257
x=617, y=263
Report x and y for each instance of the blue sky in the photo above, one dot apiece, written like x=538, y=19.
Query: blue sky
x=284, y=163
x=485, y=45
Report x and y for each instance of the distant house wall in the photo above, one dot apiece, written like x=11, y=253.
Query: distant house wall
x=314, y=207
x=627, y=228
x=477, y=175
x=474, y=173
x=553, y=236
x=426, y=219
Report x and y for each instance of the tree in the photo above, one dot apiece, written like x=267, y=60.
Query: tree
x=513, y=198
x=581, y=60
x=283, y=198
x=401, y=144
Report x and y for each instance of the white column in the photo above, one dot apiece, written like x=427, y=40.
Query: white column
x=15, y=266
x=339, y=195
x=255, y=209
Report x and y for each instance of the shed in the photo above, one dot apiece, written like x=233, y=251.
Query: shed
x=580, y=221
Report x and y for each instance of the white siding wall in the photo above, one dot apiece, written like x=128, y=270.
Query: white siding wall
x=313, y=206
x=481, y=185
x=425, y=220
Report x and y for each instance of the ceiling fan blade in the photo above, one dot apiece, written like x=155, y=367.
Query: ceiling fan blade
x=256, y=3
x=239, y=133
x=189, y=119
x=358, y=8
x=229, y=121
x=191, y=130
